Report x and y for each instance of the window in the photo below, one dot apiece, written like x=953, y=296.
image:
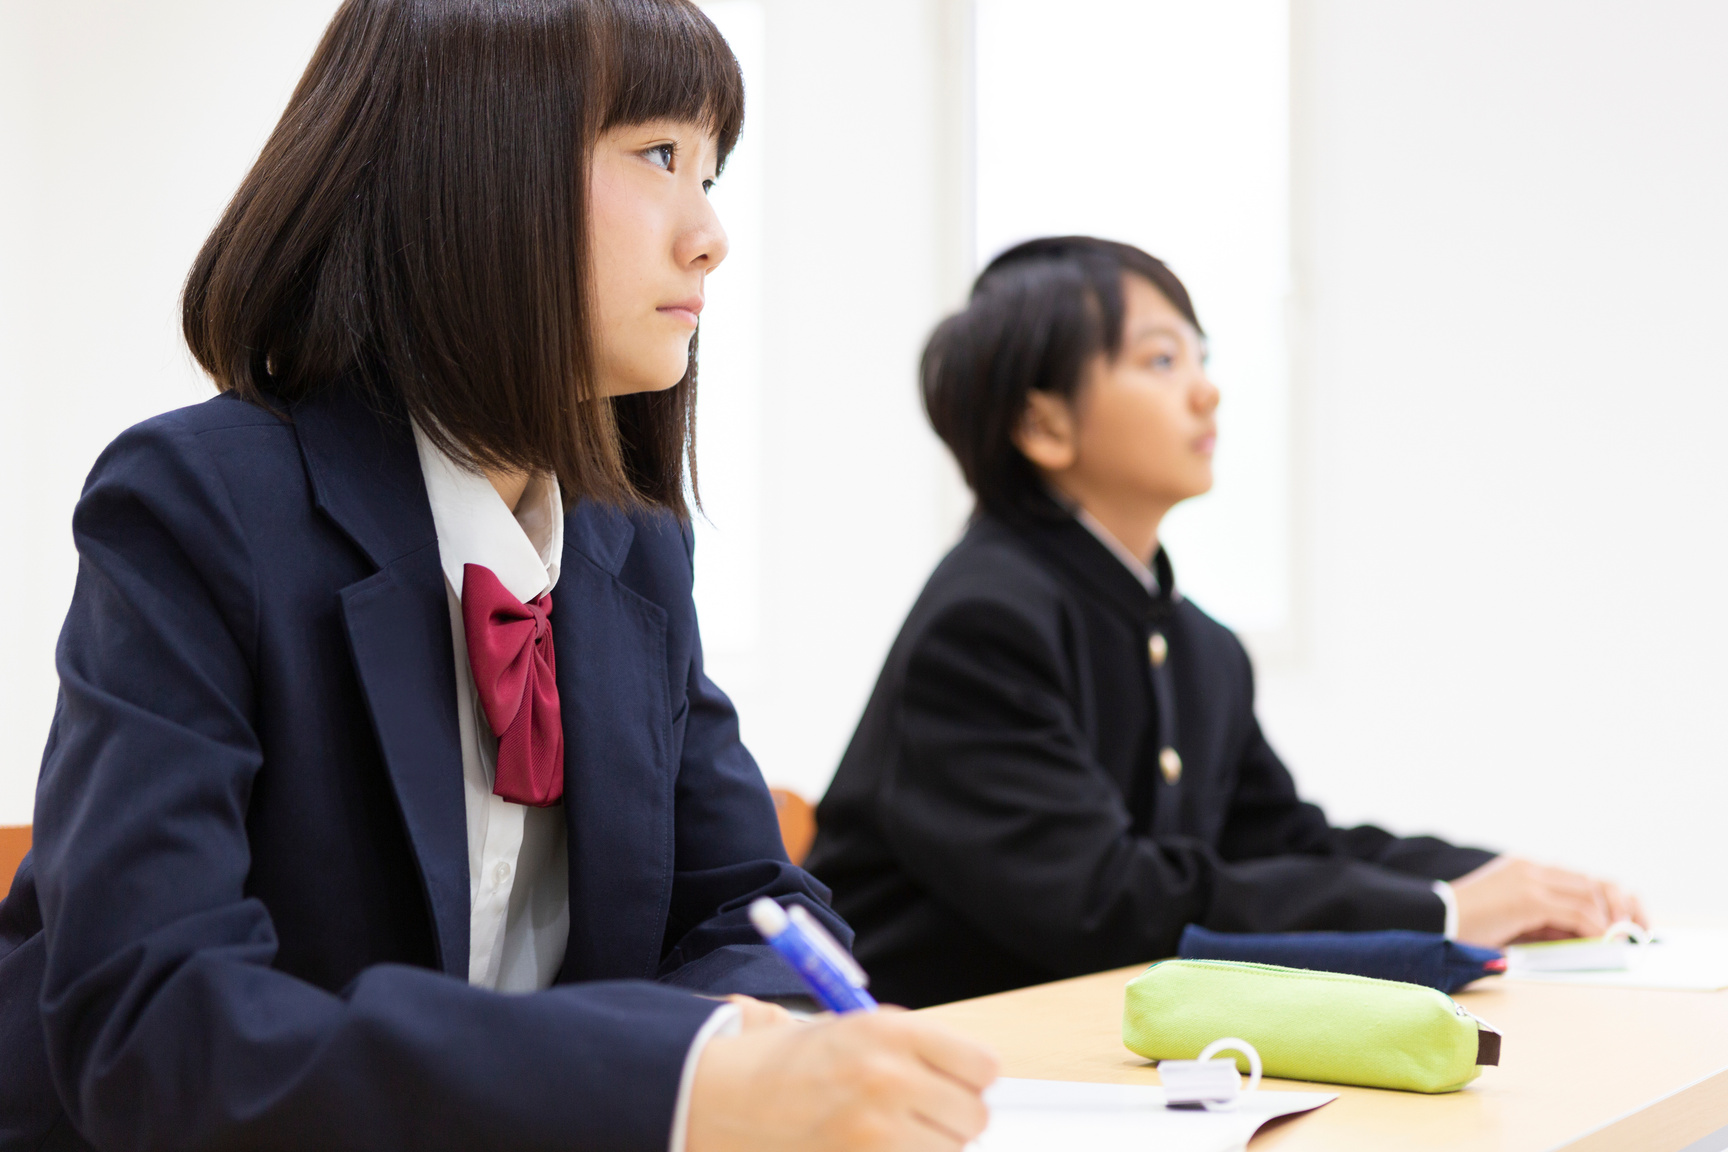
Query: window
x=1165, y=124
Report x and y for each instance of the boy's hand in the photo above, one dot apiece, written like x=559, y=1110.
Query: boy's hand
x=1509, y=899
x=855, y=1083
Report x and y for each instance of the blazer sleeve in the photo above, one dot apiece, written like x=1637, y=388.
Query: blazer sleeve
x=996, y=805
x=166, y=1025
x=1268, y=818
x=728, y=854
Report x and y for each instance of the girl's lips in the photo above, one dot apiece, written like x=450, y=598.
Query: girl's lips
x=685, y=310
x=1205, y=444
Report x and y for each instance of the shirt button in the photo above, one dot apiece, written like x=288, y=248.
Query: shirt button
x=500, y=873
x=1158, y=648
x=1170, y=764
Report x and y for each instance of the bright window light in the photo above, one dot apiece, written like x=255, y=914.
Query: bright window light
x=729, y=391
x=1165, y=123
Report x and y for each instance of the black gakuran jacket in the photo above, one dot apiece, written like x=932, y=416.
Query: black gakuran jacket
x=1058, y=770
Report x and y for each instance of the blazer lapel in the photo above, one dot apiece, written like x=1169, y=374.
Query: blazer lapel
x=366, y=477
x=620, y=763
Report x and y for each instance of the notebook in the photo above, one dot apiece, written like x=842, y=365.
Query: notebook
x=1693, y=959
x=1040, y=1115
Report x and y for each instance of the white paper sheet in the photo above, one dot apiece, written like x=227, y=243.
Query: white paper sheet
x=1059, y=1116
x=1693, y=959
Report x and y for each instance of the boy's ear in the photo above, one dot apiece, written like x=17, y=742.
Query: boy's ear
x=1045, y=432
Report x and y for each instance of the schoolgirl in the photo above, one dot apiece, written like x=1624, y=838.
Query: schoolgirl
x=387, y=805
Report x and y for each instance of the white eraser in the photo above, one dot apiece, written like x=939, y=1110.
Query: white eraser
x=769, y=918
x=1199, y=1081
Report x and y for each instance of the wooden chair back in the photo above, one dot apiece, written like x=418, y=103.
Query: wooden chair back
x=797, y=823
x=14, y=843
x=797, y=830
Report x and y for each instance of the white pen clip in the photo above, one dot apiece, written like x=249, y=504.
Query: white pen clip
x=1212, y=1084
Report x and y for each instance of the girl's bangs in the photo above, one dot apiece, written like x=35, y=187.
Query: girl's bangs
x=669, y=62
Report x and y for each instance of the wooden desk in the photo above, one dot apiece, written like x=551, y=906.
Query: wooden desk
x=1584, y=1069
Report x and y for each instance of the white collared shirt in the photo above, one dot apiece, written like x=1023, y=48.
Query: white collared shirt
x=518, y=856
x=1140, y=570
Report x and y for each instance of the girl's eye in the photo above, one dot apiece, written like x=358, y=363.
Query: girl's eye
x=661, y=156
x=1163, y=361
x=707, y=186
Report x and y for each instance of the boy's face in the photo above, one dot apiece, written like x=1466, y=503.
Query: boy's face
x=1141, y=428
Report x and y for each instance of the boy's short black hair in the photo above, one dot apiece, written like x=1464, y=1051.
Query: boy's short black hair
x=1038, y=313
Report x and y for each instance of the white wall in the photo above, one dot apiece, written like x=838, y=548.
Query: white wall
x=827, y=498
x=1510, y=238
x=124, y=128
x=859, y=262
x=1089, y=122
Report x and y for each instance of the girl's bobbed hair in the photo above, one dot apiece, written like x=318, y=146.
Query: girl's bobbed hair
x=1038, y=314
x=416, y=228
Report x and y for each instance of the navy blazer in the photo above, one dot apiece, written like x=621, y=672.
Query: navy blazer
x=244, y=923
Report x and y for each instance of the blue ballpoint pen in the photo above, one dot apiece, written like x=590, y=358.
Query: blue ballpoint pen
x=833, y=977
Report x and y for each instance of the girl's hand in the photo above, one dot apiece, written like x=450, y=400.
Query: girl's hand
x=759, y=1013
x=865, y=1082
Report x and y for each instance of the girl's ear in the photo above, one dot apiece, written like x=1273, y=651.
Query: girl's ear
x=1046, y=433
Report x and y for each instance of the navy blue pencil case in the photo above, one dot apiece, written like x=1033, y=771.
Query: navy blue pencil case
x=1425, y=958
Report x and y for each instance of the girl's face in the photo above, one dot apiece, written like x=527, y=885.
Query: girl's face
x=654, y=239
x=1140, y=429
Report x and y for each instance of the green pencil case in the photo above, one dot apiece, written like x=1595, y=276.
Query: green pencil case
x=1322, y=1026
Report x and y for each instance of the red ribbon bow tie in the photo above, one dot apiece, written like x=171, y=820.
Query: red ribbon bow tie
x=510, y=653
